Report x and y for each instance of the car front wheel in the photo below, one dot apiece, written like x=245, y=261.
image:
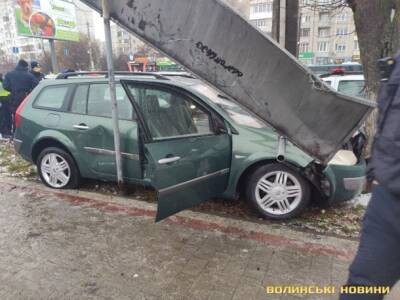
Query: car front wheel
x=57, y=169
x=277, y=191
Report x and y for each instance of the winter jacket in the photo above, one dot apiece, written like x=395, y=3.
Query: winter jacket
x=20, y=83
x=386, y=151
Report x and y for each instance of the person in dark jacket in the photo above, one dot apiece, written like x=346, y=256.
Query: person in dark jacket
x=36, y=70
x=19, y=82
x=377, y=263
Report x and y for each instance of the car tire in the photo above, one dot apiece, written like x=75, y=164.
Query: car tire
x=277, y=191
x=57, y=169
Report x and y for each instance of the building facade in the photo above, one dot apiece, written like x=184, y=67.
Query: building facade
x=123, y=42
x=260, y=14
x=12, y=46
x=327, y=34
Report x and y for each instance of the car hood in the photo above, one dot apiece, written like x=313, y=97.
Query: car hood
x=213, y=42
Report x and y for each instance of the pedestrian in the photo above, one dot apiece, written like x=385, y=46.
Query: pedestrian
x=376, y=267
x=19, y=82
x=5, y=122
x=36, y=70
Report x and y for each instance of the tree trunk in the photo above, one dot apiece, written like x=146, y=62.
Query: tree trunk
x=378, y=36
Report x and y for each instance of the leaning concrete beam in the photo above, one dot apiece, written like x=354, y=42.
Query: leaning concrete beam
x=213, y=42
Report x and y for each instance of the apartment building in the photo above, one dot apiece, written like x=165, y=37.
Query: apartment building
x=260, y=14
x=13, y=46
x=327, y=35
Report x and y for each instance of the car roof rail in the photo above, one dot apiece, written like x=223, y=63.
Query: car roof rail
x=343, y=73
x=105, y=74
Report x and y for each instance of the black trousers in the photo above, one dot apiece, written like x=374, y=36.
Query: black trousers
x=377, y=262
x=6, y=118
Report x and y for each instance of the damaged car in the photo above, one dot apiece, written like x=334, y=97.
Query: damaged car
x=179, y=136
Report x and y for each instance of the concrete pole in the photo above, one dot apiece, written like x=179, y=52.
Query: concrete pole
x=114, y=105
x=90, y=46
x=54, y=64
x=282, y=23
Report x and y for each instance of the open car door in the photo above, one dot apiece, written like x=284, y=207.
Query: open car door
x=212, y=41
x=187, y=148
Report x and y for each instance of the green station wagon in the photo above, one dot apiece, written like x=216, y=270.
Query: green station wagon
x=178, y=136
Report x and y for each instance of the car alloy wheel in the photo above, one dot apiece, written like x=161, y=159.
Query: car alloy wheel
x=55, y=170
x=278, y=193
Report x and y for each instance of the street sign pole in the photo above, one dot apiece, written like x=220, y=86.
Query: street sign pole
x=54, y=65
x=114, y=105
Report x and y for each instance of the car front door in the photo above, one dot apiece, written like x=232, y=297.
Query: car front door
x=188, y=157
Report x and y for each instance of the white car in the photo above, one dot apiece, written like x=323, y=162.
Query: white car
x=352, y=84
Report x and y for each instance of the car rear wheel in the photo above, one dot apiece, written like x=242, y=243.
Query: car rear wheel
x=57, y=169
x=278, y=192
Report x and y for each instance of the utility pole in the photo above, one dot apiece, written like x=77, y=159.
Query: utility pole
x=114, y=105
x=90, y=46
x=54, y=64
x=285, y=24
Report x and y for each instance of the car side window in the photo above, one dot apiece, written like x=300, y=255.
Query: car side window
x=52, y=97
x=169, y=114
x=79, y=100
x=99, y=102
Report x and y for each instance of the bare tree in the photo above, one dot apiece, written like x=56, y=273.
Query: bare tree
x=377, y=24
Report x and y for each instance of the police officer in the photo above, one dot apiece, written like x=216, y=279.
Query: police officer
x=377, y=263
x=36, y=70
x=20, y=82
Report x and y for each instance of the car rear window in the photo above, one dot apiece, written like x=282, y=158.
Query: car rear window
x=352, y=87
x=52, y=97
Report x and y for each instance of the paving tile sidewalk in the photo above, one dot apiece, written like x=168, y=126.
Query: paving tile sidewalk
x=70, y=245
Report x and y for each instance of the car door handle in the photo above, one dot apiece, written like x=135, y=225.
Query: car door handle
x=81, y=127
x=168, y=160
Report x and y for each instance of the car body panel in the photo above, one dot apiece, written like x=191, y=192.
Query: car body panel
x=235, y=57
x=338, y=175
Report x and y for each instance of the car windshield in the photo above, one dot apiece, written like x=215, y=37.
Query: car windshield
x=238, y=113
x=352, y=87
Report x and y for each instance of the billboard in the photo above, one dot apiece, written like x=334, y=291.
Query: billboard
x=49, y=19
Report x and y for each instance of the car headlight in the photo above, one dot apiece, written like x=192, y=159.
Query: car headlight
x=344, y=158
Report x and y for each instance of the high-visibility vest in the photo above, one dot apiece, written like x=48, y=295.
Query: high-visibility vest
x=3, y=92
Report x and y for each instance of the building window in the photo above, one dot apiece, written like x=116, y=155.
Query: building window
x=356, y=46
x=261, y=23
x=323, y=46
x=305, y=19
x=340, y=47
x=341, y=31
x=304, y=47
x=261, y=8
x=323, y=32
x=341, y=16
x=304, y=32
x=324, y=17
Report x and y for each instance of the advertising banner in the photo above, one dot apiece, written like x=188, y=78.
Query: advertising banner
x=49, y=19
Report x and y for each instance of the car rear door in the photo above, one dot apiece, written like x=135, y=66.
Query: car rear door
x=188, y=156
x=91, y=126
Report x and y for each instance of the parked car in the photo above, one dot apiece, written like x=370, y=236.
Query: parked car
x=179, y=136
